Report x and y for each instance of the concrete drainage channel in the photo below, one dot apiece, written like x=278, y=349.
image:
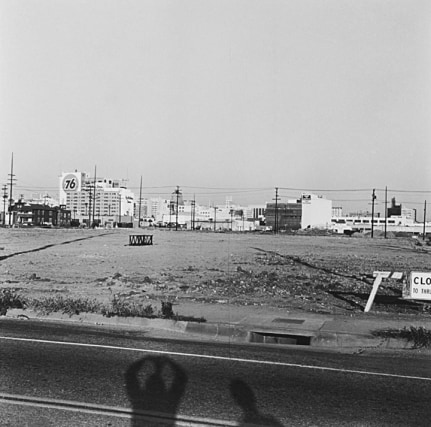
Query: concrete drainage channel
x=267, y=337
x=278, y=337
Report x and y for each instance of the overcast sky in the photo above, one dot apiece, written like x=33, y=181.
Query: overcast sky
x=246, y=94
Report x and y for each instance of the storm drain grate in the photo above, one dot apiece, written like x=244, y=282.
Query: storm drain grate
x=283, y=320
x=277, y=338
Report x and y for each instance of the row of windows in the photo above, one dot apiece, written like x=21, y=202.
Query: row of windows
x=97, y=204
x=85, y=194
x=362, y=221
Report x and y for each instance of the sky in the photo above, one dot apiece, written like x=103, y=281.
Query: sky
x=224, y=98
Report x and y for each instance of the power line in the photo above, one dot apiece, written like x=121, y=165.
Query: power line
x=326, y=190
x=215, y=190
x=348, y=190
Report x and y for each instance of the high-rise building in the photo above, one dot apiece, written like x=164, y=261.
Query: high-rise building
x=97, y=198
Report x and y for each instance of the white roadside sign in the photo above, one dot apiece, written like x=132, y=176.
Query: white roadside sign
x=420, y=286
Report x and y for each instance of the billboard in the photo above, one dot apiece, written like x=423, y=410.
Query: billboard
x=306, y=198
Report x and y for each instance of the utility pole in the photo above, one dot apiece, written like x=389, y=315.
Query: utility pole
x=119, y=207
x=4, y=188
x=170, y=213
x=11, y=182
x=94, y=193
x=177, y=192
x=215, y=217
x=192, y=213
x=386, y=210
x=373, y=197
x=89, y=204
x=140, y=203
x=276, y=211
x=425, y=220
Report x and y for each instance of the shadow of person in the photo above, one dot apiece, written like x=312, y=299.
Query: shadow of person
x=155, y=385
x=246, y=400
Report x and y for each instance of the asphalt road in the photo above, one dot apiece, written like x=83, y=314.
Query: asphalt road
x=67, y=375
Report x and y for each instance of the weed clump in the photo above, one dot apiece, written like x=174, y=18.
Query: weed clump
x=123, y=308
x=419, y=336
x=9, y=299
x=118, y=306
x=167, y=311
x=64, y=305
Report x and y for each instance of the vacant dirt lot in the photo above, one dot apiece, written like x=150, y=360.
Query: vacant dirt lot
x=325, y=274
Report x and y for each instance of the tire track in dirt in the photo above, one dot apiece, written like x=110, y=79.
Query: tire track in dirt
x=315, y=267
x=67, y=242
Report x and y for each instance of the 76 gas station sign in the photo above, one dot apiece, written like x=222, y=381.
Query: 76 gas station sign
x=71, y=183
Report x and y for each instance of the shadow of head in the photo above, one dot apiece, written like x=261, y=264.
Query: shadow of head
x=156, y=384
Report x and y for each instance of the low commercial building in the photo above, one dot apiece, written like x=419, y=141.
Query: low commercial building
x=365, y=224
x=398, y=219
x=309, y=211
x=31, y=214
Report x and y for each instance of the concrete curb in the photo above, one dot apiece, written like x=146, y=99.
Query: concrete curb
x=97, y=319
x=225, y=332
x=349, y=340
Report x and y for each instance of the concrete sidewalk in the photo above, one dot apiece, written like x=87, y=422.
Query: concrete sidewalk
x=264, y=325
x=281, y=326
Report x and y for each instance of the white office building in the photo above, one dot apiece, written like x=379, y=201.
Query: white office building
x=102, y=199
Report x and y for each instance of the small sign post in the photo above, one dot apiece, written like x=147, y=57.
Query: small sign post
x=418, y=287
x=379, y=276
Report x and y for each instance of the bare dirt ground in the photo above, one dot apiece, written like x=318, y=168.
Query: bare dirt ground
x=323, y=274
